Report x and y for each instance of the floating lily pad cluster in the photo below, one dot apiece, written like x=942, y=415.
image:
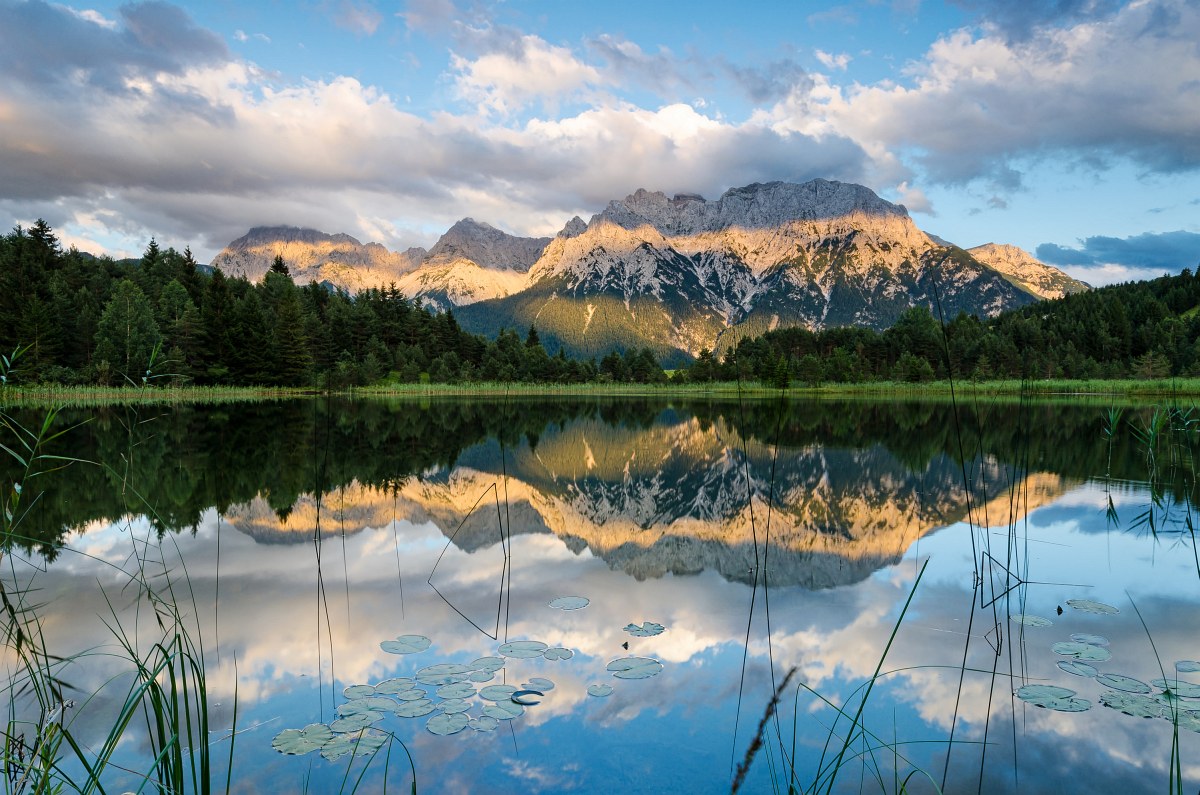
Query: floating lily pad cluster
x=647, y=629
x=1173, y=698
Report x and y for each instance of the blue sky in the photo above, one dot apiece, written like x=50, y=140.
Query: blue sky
x=1068, y=127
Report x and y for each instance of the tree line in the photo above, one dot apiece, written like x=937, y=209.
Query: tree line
x=164, y=318
x=80, y=319
x=1140, y=330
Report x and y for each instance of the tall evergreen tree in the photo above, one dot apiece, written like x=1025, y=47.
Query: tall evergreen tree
x=127, y=334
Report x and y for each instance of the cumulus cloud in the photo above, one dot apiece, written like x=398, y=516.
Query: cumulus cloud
x=1123, y=85
x=839, y=62
x=1021, y=20
x=532, y=71
x=1171, y=251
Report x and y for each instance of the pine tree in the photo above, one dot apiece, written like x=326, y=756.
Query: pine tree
x=127, y=335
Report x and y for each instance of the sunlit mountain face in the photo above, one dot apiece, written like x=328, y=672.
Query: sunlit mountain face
x=758, y=536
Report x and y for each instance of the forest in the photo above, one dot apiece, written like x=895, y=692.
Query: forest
x=165, y=319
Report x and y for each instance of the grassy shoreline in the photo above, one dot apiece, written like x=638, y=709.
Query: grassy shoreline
x=1049, y=389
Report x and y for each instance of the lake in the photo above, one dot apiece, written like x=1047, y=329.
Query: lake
x=1019, y=574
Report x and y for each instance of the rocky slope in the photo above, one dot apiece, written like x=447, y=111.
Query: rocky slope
x=312, y=256
x=1028, y=273
x=674, y=274
x=679, y=274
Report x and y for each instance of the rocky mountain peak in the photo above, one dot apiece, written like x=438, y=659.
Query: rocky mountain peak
x=1023, y=269
x=487, y=247
x=574, y=228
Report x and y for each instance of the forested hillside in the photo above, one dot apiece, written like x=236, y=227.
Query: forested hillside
x=1141, y=330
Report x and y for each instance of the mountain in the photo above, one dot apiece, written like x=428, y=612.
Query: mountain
x=312, y=256
x=681, y=274
x=1028, y=273
x=473, y=261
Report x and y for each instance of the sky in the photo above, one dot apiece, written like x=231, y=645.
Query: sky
x=1070, y=128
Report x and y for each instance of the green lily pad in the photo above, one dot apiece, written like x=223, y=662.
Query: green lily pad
x=1053, y=697
x=538, y=683
x=364, y=744
x=1081, y=651
x=412, y=694
x=1091, y=606
x=1178, y=687
x=456, y=690
x=302, y=741
x=600, y=691
x=504, y=710
x=358, y=691
x=570, y=602
x=1123, y=683
x=484, y=723
x=1077, y=668
x=1187, y=666
x=648, y=629
x=635, y=668
x=362, y=705
x=414, y=709
x=443, y=674
x=558, y=653
x=489, y=664
x=406, y=644
x=452, y=706
x=479, y=677
x=1031, y=621
x=447, y=724
x=389, y=687
x=527, y=698
x=1135, y=704
x=523, y=649
x=1093, y=640
x=497, y=692
x=352, y=723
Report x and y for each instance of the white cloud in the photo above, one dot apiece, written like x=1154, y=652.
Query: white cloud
x=839, y=62
x=533, y=72
x=361, y=18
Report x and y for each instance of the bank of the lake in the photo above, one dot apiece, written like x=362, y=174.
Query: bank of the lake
x=53, y=394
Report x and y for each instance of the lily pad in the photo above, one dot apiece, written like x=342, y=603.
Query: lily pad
x=600, y=691
x=526, y=698
x=412, y=694
x=302, y=741
x=414, y=709
x=635, y=668
x=558, y=653
x=648, y=629
x=497, y=692
x=1187, y=666
x=456, y=690
x=1092, y=606
x=479, y=677
x=358, y=691
x=489, y=664
x=1178, y=687
x=443, y=674
x=1126, y=684
x=352, y=723
x=538, y=683
x=504, y=710
x=484, y=723
x=1031, y=621
x=453, y=706
x=570, y=602
x=447, y=724
x=363, y=705
x=406, y=644
x=1081, y=651
x=1077, y=668
x=1053, y=697
x=1094, y=640
x=1189, y=719
x=390, y=687
x=1135, y=704
x=523, y=649
x=364, y=744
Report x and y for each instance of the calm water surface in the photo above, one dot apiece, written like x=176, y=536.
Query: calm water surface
x=763, y=537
